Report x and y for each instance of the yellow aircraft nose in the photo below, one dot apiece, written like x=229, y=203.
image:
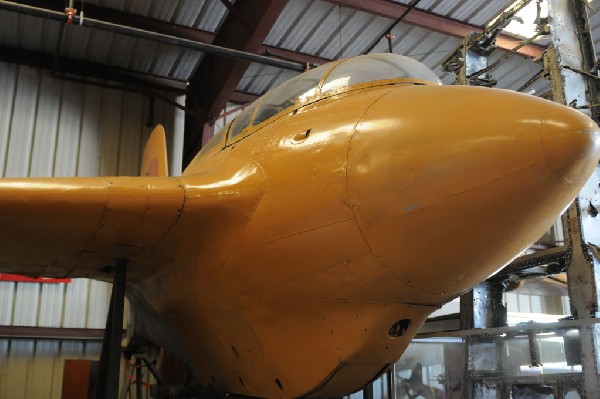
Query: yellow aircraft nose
x=450, y=183
x=570, y=140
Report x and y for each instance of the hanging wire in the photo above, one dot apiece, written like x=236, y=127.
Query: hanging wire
x=388, y=31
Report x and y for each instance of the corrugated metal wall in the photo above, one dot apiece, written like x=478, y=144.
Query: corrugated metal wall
x=51, y=127
x=33, y=369
x=82, y=303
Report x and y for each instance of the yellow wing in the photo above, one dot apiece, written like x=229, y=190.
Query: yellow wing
x=73, y=227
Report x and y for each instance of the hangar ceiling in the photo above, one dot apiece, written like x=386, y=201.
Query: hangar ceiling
x=302, y=31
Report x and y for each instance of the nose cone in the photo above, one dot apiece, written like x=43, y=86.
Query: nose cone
x=570, y=141
x=450, y=183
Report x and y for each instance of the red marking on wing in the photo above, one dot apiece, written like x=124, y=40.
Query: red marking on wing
x=23, y=279
x=153, y=169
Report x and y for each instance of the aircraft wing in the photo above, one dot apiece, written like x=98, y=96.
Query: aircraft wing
x=73, y=227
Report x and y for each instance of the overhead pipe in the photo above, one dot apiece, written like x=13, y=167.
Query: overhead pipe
x=157, y=37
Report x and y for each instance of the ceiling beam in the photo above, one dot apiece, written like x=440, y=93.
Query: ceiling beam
x=124, y=18
x=242, y=97
x=139, y=80
x=117, y=17
x=434, y=22
x=245, y=28
x=150, y=35
x=84, y=69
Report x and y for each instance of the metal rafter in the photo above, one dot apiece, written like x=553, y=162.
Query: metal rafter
x=92, y=70
x=215, y=79
x=150, y=35
x=168, y=28
x=433, y=22
x=124, y=18
x=141, y=82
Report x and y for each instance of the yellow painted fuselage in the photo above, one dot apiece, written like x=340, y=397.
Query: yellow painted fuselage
x=351, y=214
x=300, y=257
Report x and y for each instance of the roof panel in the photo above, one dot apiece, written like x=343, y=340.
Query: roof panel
x=444, y=8
x=165, y=58
x=9, y=23
x=474, y=12
x=138, y=7
x=186, y=65
x=211, y=16
x=513, y=72
x=246, y=80
x=163, y=10
x=76, y=41
x=259, y=79
x=102, y=43
x=143, y=56
x=467, y=9
x=116, y=4
x=348, y=40
x=96, y=46
x=35, y=34
x=434, y=58
x=491, y=10
x=123, y=46
x=594, y=22
x=367, y=28
x=429, y=4
x=292, y=12
x=187, y=12
x=326, y=30
x=201, y=14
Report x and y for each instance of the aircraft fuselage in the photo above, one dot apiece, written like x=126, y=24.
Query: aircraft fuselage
x=329, y=234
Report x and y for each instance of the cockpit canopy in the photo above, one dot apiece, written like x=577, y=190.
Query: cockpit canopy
x=339, y=76
x=324, y=81
x=373, y=67
x=330, y=79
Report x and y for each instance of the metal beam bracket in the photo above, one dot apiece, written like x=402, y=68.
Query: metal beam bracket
x=469, y=60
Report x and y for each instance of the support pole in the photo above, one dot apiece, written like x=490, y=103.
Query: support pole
x=392, y=382
x=138, y=378
x=368, y=391
x=107, y=386
x=482, y=308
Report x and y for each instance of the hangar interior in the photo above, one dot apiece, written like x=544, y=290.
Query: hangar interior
x=82, y=91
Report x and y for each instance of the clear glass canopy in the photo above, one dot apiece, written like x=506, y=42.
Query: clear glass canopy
x=305, y=87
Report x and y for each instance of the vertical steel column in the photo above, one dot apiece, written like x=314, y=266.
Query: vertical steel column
x=470, y=58
x=570, y=59
x=138, y=378
x=482, y=307
x=488, y=307
x=368, y=391
x=392, y=382
x=107, y=386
